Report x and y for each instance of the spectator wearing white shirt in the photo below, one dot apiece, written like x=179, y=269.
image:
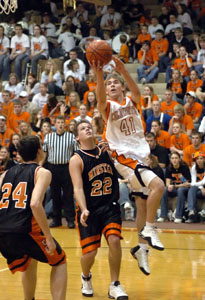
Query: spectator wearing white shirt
x=88, y=39
x=13, y=86
x=19, y=52
x=154, y=26
x=202, y=126
x=169, y=30
x=70, y=12
x=41, y=98
x=83, y=114
x=49, y=30
x=66, y=42
x=4, y=48
x=39, y=49
x=73, y=55
x=184, y=19
x=111, y=20
x=81, y=11
x=73, y=70
x=52, y=78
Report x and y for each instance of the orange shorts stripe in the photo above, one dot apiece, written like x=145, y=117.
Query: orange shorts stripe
x=90, y=248
x=90, y=240
x=114, y=232
x=125, y=161
x=111, y=226
x=54, y=259
x=20, y=264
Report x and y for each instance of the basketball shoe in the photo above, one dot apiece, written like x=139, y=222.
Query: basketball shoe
x=150, y=234
x=116, y=291
x=141, y=255
x=87, y=289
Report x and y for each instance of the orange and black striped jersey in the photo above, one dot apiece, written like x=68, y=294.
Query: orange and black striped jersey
x=15, y=194
x=100, y=180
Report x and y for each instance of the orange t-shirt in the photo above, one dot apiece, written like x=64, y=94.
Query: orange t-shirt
x=46, y=113
x=180, y=142
x=14, y=120
x=193, y=86
x=181, y=65
x=176, y=88
x=124, y=53
x=160, y=46
x=144, y=37
x=8, y=109
x=143, y=102
x=168, y=108
x=5, y=138
x=195, y=110
x=163, y=139
x=190, y=151
x=150, y=57
x=187, y=123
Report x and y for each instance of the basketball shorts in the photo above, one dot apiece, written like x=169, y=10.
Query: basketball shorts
x=104, y=220
x=19, y=249
x=138, y=175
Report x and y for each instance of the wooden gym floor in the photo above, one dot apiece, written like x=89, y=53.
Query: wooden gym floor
x=178, y=273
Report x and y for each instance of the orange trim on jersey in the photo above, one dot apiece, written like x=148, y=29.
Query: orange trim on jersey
x=82, y=164
x=90, y=248
x=90, y=240
x=22, y=262
x=129, y=162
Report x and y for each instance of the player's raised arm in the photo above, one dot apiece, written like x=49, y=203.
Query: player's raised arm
x=100, y=89
x=132, y=85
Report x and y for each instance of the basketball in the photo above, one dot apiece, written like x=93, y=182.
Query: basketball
x=99, y=51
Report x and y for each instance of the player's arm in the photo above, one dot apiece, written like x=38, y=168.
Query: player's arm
x=100, y=89
x=132, y=85
x=75, y=169
x=42, y=182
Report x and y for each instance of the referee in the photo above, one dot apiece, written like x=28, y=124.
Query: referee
x=59, y=146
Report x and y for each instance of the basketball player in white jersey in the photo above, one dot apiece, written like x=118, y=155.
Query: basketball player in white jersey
x=125, y=136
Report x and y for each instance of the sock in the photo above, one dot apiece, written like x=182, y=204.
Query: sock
x=149, y=225
x=86, y=277
x=143, y=246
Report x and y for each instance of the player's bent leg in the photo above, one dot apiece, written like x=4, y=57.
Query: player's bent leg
x=140, y=252
x=29, y=280
x=156, y=187
x=59, y=281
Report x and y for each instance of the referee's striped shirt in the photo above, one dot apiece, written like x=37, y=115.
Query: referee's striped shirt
x=60, y=148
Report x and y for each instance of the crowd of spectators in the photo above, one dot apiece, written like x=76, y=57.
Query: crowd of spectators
x=45, y=74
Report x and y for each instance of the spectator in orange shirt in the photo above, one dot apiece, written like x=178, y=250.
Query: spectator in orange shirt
x=17, y=116
x=124, y=50
x=160, y=46
x=162, y=136
x=52, y=108
x=91, y=103
x=167, y=106
x=8, y=106
x=148, y=69
x=25, y=129
x=183, y=63
x=5, y=133
x=196, y=146
x=193, y=108
x=194, y=83
x=179, y=140
x=177, y=85
x=146, y=100
x=142, y=37
x=185, y=120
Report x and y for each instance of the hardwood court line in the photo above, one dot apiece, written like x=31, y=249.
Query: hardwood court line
x=2, y=270
x=177, y=231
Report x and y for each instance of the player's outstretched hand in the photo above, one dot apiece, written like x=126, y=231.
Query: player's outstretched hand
x=84, y=217
x=50, y=245
x=119, y=65
x=96, y=67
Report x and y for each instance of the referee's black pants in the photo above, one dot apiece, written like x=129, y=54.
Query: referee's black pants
x=62, y=193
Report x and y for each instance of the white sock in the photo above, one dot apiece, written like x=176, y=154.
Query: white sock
x=143, y=246
x=150, y=225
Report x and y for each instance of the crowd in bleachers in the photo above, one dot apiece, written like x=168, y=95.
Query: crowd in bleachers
x=44, y=73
